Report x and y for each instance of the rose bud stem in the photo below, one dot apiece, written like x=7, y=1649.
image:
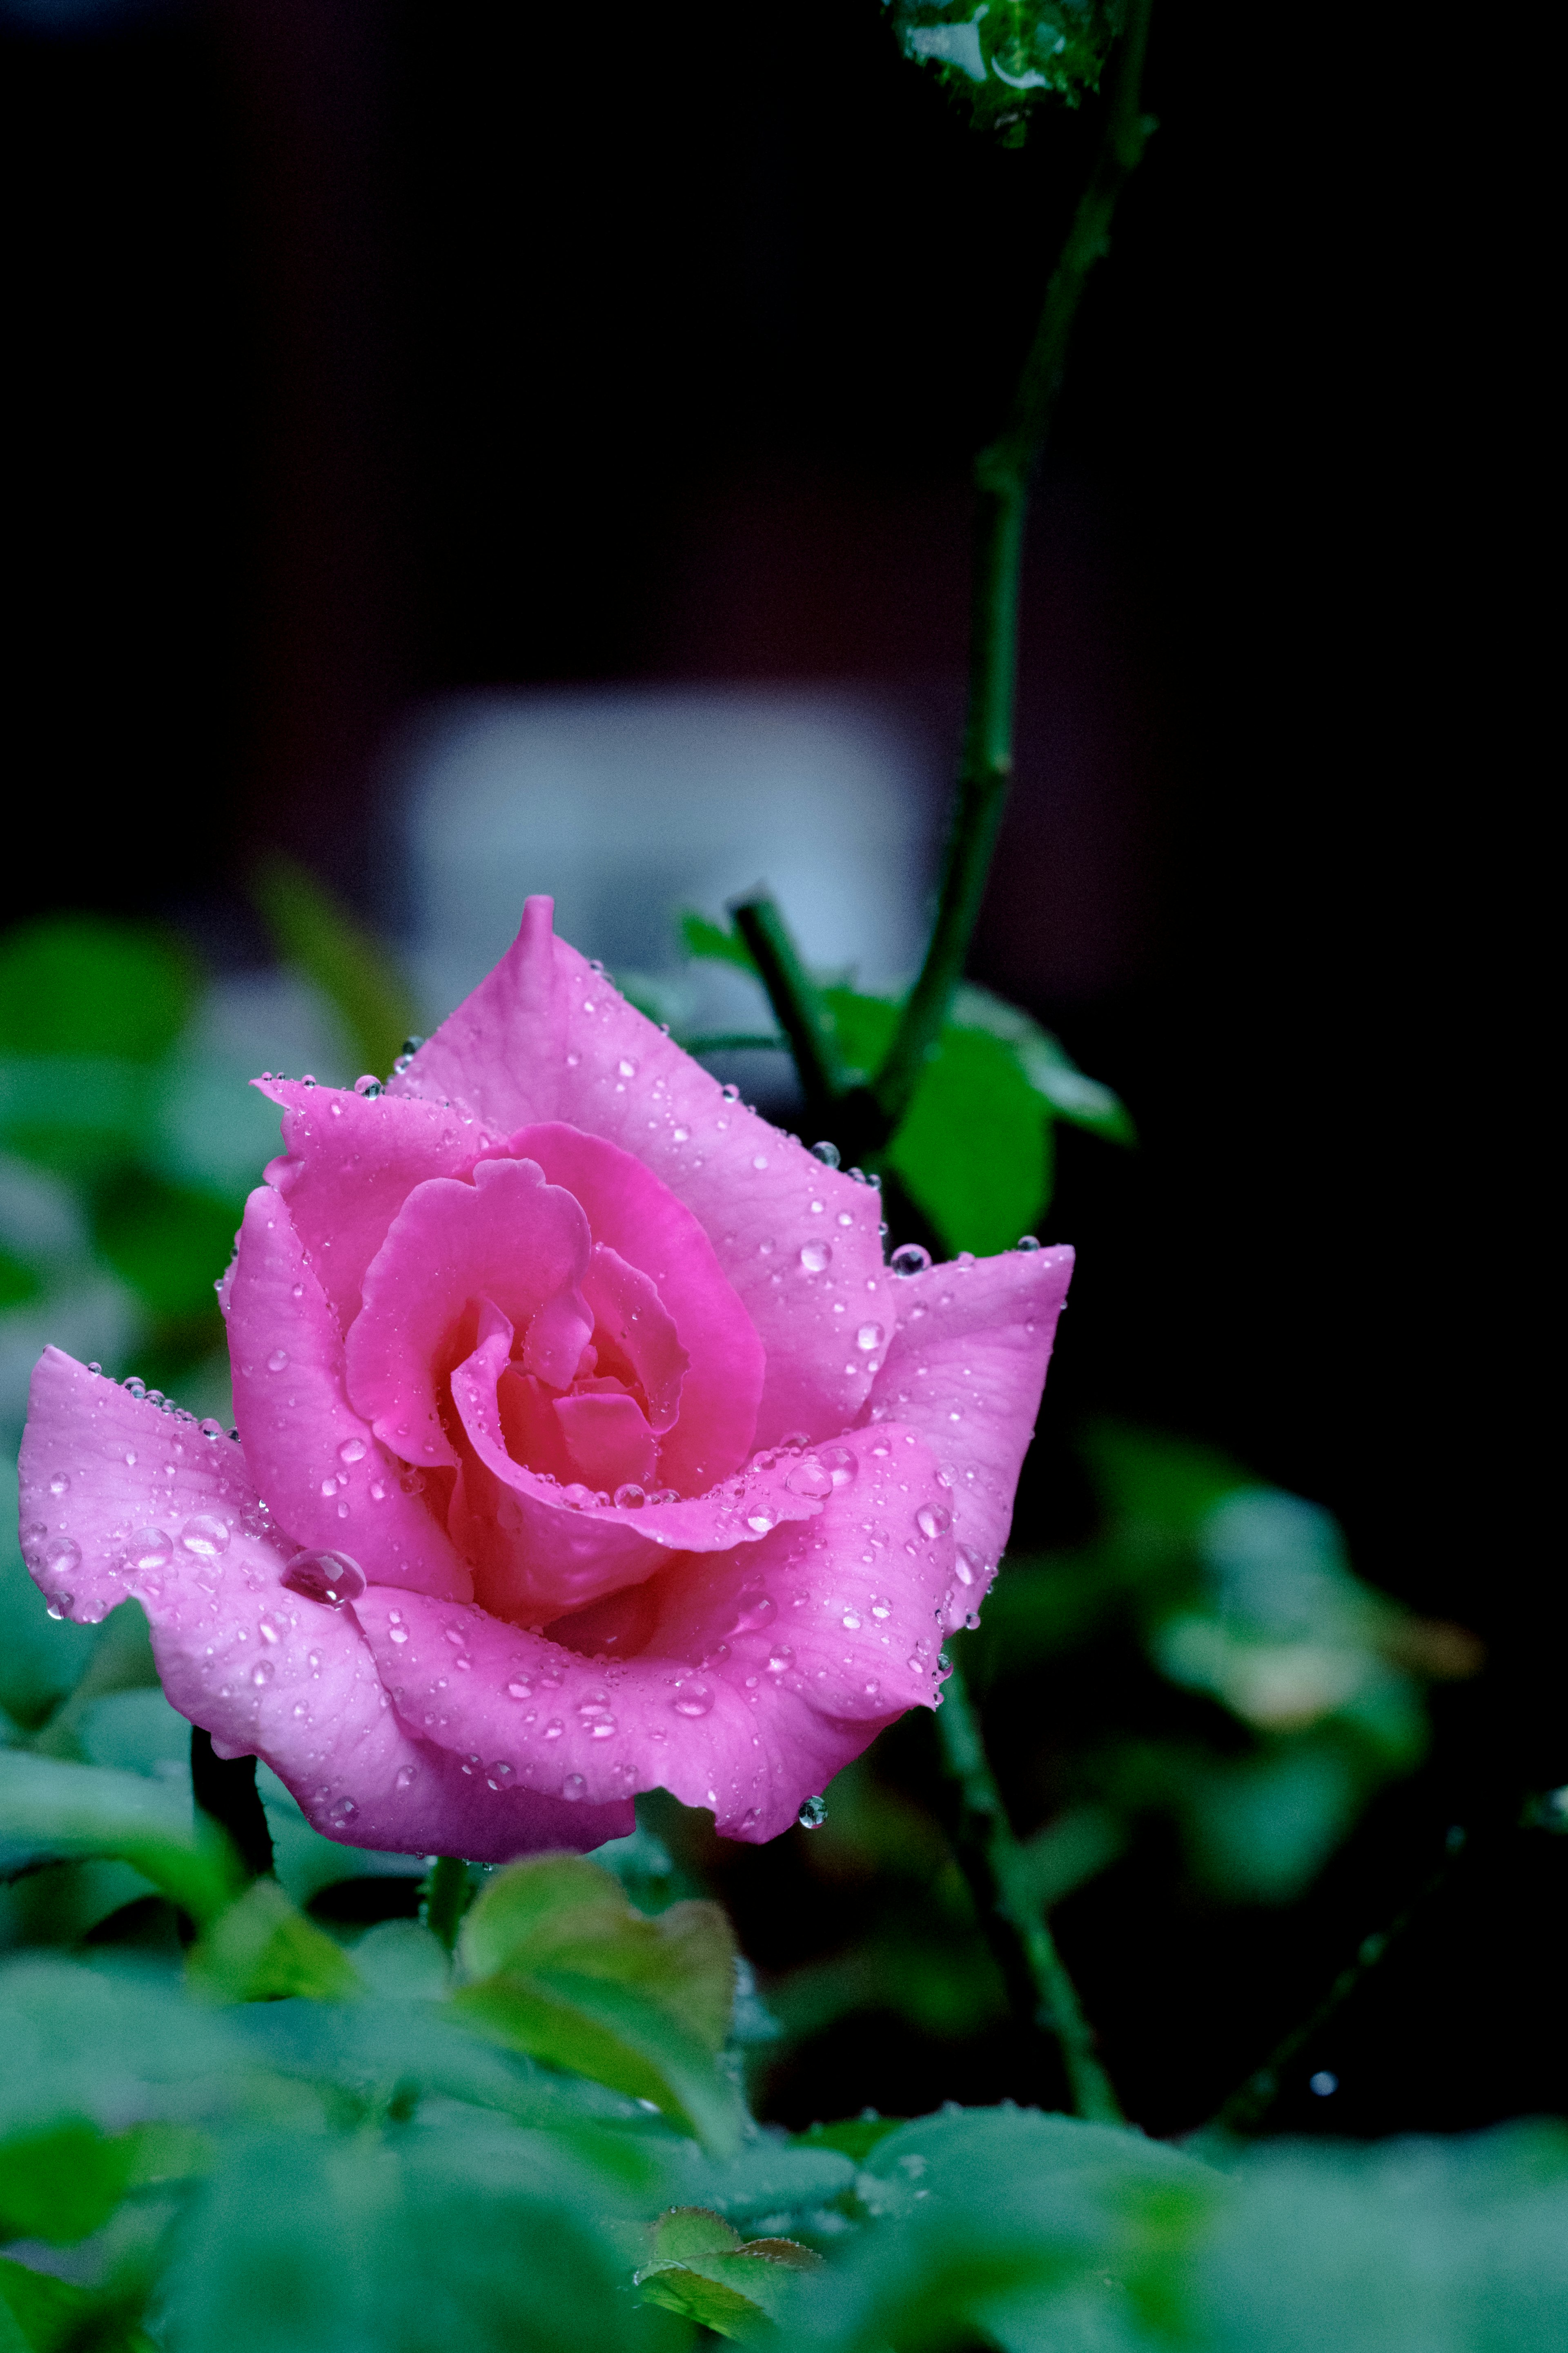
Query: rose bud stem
x=225, y=1788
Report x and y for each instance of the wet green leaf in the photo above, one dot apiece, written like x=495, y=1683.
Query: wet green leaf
x=49, y=1809
x=559, y=1966
x=702, y=2269
x=168, y=1242
x=259, y=1949
x=973, y=1150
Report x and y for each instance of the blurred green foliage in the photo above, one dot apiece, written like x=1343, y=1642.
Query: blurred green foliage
x=1003, y=56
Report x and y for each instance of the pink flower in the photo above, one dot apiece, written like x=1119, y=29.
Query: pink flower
x=601, y=1451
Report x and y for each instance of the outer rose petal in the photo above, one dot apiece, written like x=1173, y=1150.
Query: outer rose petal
x=305, y=1445
x=966, y=1370
x=544, y=1038
x=636, y=1215
x=239, y=1653
x=701, y=1711
x=536, y=1556
x=508, y=1237
x=349, y=1164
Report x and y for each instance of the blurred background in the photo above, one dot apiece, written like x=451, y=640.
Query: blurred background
x=463, y=451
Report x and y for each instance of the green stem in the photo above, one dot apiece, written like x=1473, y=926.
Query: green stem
x=1003, y=475
x=793, y=994
x=444, y=1897
x=225, y=1788
x=991, y=1861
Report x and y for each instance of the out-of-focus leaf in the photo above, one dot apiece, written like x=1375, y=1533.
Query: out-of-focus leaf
x=1004, y=57
x=974, y=1149
x=1459, y=2245
x=83, y=985
x=855, y=2138
x=41, y=1657
x=259, y=1949
x=43, y=2315
x=863, y=1030
x=60, y=2184
x=79, y=1114
x=49, y=1808
x=703, y=2270
x=714, y=942
x=169, y=1243
x=559, y=1964
x=318, y=935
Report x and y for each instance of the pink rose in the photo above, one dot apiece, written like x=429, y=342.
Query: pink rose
x=601, y=1450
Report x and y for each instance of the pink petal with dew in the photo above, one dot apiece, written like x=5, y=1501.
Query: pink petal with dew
x=327, y=1478
x=537, y=1552
x=148, y=1507
x=508, y=1237
x=544, y=1038
x=349, y=1164
x=634, y=1214
x=764, y=1671
x=628, y=1313
x=966, y=1370
x=608, y=1441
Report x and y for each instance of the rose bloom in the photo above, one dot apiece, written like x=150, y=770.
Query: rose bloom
x=586, y=1445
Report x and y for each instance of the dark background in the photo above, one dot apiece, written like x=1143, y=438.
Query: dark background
x=364, y=352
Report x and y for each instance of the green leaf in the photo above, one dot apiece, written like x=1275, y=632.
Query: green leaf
x=261, y=1949
x=701, y=2269
x=559, y=1966
x=856, y=2138
x=43, y=2315
x=973, y=1149
x=168, y=1242
x=714, y=944
x=60, y=2184
x=863, y=1030
x=83, y=985
x=1072, y=1095
x=317, y=934
x=1005, y=55
x=52, y=1809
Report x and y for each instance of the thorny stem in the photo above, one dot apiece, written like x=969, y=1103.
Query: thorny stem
x=1003, y=475
x=991, y=1861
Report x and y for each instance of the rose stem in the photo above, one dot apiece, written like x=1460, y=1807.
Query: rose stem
x=991, y=1861
x=444, y=1897
x=225, y=1788
x=1003, y=472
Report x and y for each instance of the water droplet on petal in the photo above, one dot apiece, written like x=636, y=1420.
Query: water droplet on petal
x=964, y=1565
x=813, y=1814
x=60, y=1556
x=817, y=1257
x=519, y=1689
x=869, y=1337
x=205, y=1535
x=1027, y=1242
x=149, y=1548
x=406, y=1775
x=780, y=1657
x=762, y=1519
x=691, y=1699
x=573, y=1786
x=277, y=1360
x=59, y=1483
x=909, y=1259
x=934, y=1519
x=810, y=1478
x=330, y=1578
x=841, y=1462
x=826, y=1153
x=261, y=1673
x=631, y=1497
x=352, y=1450
x=752, y=1610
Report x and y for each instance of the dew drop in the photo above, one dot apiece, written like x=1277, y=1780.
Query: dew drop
x=1027, y=1242
x=762, y=1520
x=277, y=1360
x=59, y=1483
x=631, y=1497
x=352, y=1450
x=826, y=1153
x=554, y=1728
x=261, y=1673
x=330, y=1578
x=205, y=1535
x=573, y=1786
x=691, y=1699
x=813, y=1814
x=150, y=1548
x=753, y=1610
x=61, y=1555
x=519, y=1690
x=760, y=1160
x=406, y=1775
x=841, y=1464
x=909, y=1259
x=869, y=1337
x=964, y=1565
x=934, y=1519
x=780, y=1657
x=731, y=1093
x=817, y=1257
x=810, y=1478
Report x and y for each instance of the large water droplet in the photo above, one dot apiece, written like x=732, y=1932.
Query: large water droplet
x=1027, y=1242
x=406, y=1775
x=763, y=1518
x=817, y=1257
x=780, y=1657
x=60, y=1556
x=595, y=1717
x=826, y=1153
x=964, y=1565
x=352, y=1450
x=631, y=1497
x=519, y=1689
x=330, y=1578
x=909, y=1259
x=205, y=1535
x=869, y=1337
x=813, y=1814
x=573, y=1786
x=691, y=1699
x=752, y=1610
x=934, y=1519
x=810, y=1478
x=841, y=1462
x=149, y=1548
x=261, y=1673
x=277, y=1360
x=59, y=1483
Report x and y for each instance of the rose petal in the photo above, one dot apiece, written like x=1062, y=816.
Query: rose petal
x=627, y=1310
x=329, y=1481
x=349, y=1164
x=634, y=1213
x=702, y=1711
x=508, y=1237
x=263, y=1670
x=534, y=1554
x=966, y=1370
x=544, y=1038
x=608, y=1440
